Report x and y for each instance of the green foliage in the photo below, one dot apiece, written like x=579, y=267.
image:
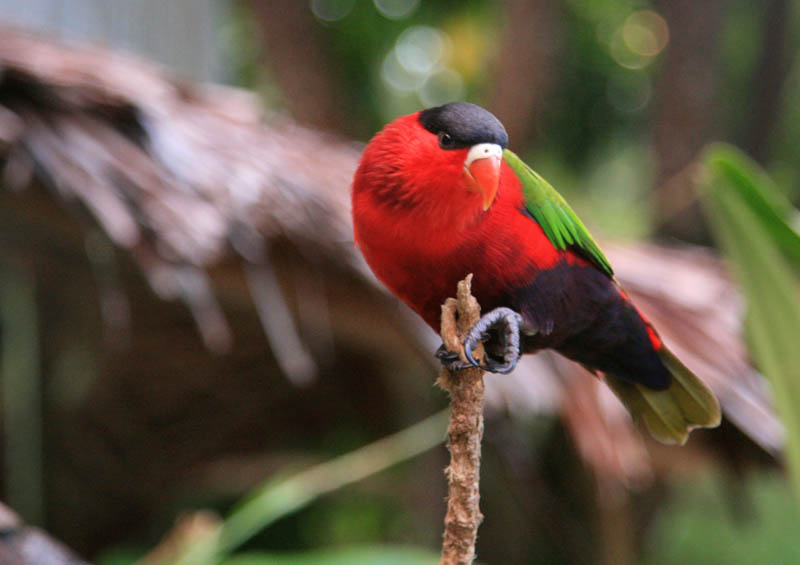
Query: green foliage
x=757, y=191
x=713, y=521
x=749, y=219
x=364, y=41
x=595, y=97
x=591, y=139
x=284, y=495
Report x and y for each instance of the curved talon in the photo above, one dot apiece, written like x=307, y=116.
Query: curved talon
x=451, y=360
x=507, y=322
x=470, y=343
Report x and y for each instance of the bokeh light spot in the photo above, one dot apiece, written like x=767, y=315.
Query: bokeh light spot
x=639, y=39
x=642, y=36
x=645, y=33
x=419, y=65
x=622, y=54
x=421, y=48
x=396, y=9
x=442, y=87
x=398, y=76
x=331, y=10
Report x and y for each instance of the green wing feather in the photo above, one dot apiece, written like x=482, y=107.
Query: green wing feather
x=561, y=225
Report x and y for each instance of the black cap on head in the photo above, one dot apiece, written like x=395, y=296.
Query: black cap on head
x=461, y=124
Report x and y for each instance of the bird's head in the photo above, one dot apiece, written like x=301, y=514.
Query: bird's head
x=434, y=161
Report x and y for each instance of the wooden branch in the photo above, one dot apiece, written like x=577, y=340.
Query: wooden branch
x=464, y=432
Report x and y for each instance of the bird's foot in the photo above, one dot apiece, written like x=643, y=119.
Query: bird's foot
x=499, y=328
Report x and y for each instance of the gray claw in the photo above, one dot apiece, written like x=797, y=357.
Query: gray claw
x=507, y=322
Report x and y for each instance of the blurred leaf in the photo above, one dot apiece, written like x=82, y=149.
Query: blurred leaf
x=284, y=495
x=744, y=209
x=366, y=555
x=756, y=189
x=716, y=521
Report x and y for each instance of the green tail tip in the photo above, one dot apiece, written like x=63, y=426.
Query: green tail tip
x=669, y=415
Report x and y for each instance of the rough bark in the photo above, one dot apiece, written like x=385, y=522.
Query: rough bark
x=464, y=433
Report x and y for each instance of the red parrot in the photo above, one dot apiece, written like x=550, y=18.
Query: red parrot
x=438, y=196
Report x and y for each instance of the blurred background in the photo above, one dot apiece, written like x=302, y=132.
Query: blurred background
x=190, y=343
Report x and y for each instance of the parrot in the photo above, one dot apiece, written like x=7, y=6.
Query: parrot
x=437, y=195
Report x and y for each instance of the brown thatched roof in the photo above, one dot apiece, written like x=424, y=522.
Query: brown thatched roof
x=179, y=174
x=186, y=177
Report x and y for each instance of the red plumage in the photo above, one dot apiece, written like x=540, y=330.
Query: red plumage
x=435, y=199
x=422, y=230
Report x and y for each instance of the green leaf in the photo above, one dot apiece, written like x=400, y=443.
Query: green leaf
x=754, y=187
x=281, y=496
x=748, y=220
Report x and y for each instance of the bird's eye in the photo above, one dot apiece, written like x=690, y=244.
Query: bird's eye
x=446, y=140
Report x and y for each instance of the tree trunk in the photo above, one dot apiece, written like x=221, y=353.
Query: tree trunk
x=683, y=111
x=770, y=75
x=297, y=56
x=525, y=67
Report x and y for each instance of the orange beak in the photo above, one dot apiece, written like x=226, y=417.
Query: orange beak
x=483, y=177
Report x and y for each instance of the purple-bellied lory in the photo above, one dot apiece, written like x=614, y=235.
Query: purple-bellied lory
x=438, y=196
